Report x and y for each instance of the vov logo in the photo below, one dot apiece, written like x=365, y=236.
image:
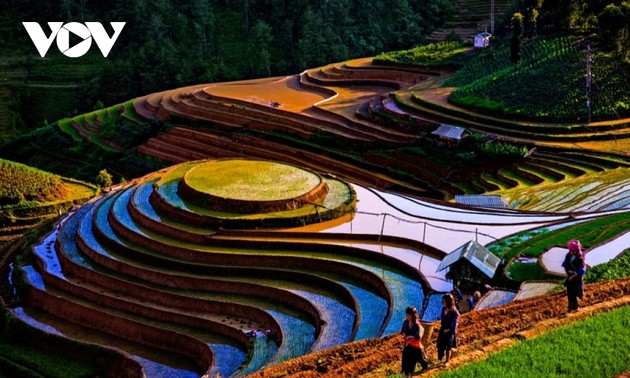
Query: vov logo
x=88, y=32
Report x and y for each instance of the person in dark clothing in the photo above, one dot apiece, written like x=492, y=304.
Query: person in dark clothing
x=413, y=352
x=447, y=337
x=457, y=295
x=473, y=300
x=575, y=268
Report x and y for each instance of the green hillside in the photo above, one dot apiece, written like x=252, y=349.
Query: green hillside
x=20, y=183
x=490, y=83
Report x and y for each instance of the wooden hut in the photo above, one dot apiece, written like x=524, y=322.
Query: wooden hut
x=471, y=263
x=450, y=134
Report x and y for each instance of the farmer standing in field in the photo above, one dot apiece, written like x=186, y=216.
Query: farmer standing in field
x=413, y=352
x=447, y=338
x=575, y=268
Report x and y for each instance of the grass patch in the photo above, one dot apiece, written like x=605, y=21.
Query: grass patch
x=527, y=272
x=78, y=190
x=434, y=54
x=611, y=270
x=252, y=180
x=66, y=126
x=597, y=347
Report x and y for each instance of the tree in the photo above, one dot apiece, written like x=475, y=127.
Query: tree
x=104, y=179
x=611, y=24
x=532, y=22
x=532, y=8
x=260, y=44
x=312, y=46
x=517, y=37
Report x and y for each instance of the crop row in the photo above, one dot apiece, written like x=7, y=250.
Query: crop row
x=600, y=344
x=523, y=90
x=434, y=54
x=20, y=183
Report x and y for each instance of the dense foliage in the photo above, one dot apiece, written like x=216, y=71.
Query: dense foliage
x=614, y=269
x=20, y=183
x=103, y=179
x=490, y=82
x=53, y=150
x=168, y=43
x=596, y=347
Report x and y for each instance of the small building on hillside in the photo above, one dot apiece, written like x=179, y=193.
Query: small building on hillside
x=482, y=40
x=481, y=200
x=471, y=263
x=450, y=134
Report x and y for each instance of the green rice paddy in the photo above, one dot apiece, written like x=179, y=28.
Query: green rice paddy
x=251, y=180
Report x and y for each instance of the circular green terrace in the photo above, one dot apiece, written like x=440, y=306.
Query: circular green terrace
x=251, y=186
x=327, y=198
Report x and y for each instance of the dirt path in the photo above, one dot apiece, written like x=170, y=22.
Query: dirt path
x=480, y=333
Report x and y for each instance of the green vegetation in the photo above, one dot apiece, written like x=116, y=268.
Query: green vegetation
x=174, y=43
x=253, y=180
x=590, y=233
x=501, y=247
x=434, y=54
x=55, y=149
x=103, y=179
x=491, y=83
x=339, y=200
x=20, y=183
x=616, y=268
x=527, y=272
x=492, y=149
x=597, y=347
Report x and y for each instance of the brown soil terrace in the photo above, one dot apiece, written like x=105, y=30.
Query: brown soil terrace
x=480, y=333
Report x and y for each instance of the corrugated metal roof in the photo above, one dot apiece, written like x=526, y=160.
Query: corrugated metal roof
x=477, y=254
x=450, y=132
x=480, y=200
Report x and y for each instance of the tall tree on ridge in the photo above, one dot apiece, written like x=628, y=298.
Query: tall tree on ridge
x=517, y=37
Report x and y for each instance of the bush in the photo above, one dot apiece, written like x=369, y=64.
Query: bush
x=104, y=179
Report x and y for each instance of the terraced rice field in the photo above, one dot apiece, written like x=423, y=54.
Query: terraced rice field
x=195, y=260
x=132, y=262
x=152, y=258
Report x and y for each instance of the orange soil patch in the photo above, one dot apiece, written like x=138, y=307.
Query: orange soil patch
x=350, y=97
x=285, y=93
x=478, y=330
x=618, y=146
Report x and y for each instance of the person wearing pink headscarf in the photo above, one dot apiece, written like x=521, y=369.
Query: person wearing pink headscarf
x=575, y=268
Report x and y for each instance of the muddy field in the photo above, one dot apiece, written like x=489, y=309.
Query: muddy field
x=477, y=331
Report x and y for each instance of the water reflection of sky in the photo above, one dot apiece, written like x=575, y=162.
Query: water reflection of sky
x=440, y=226
x=553, y=258
x=608, y=251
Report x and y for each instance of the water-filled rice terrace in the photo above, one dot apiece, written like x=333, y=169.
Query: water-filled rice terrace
x=147, y=264
x=231, y=266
